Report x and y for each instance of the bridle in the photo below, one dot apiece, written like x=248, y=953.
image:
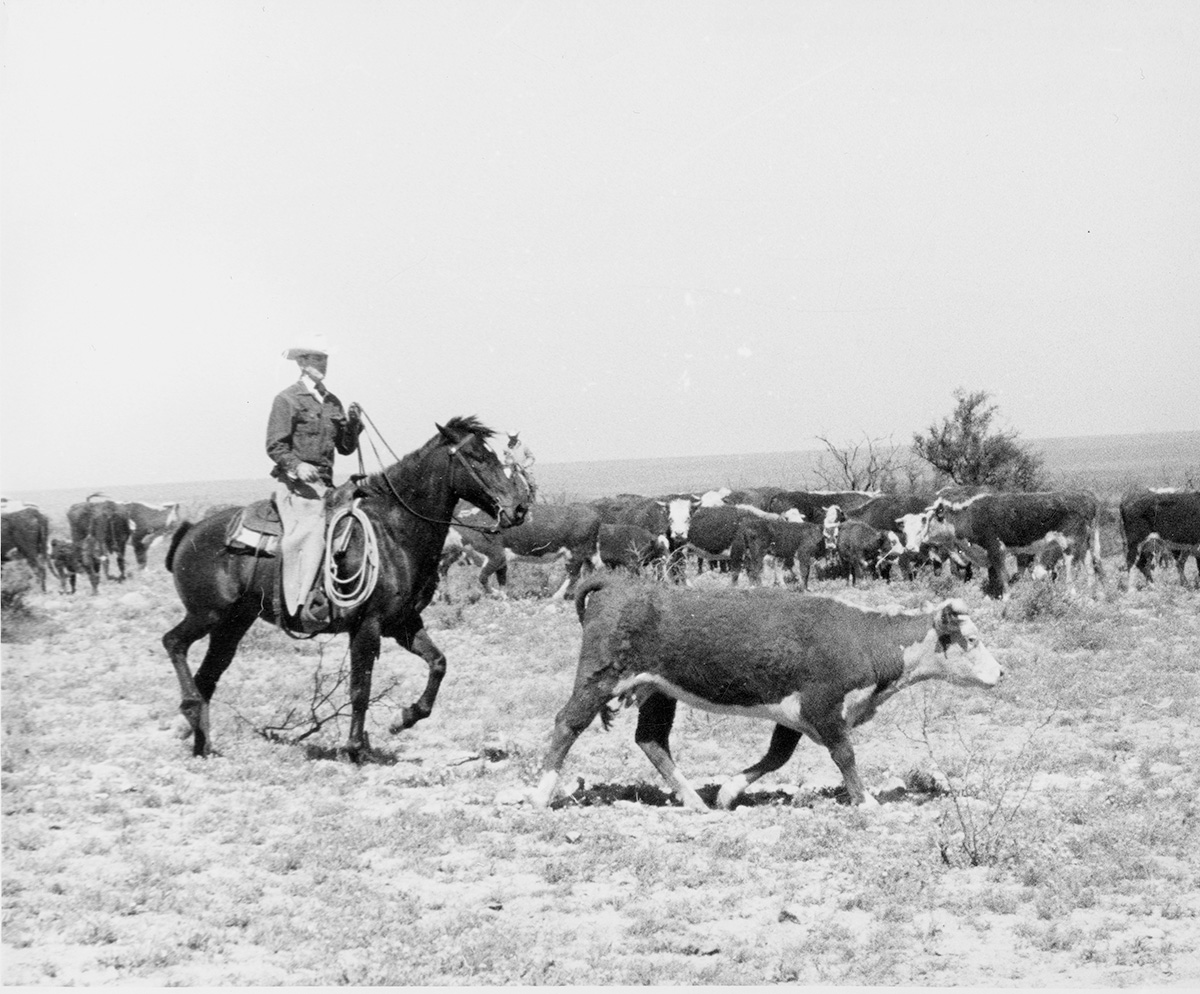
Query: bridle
x=455, y=454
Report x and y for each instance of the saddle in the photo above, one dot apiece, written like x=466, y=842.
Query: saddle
x=256, y=529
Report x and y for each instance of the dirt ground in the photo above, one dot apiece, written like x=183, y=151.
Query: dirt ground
x=1072, y=788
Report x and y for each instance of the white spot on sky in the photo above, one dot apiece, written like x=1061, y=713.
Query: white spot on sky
x=744, y=352
x=684, y=383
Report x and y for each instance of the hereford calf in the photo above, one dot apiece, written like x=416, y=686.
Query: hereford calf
x=812, y=665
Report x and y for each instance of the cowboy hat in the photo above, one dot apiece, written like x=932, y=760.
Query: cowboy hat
x=308, y=345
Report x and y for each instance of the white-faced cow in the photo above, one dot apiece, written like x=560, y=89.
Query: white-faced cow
x=26, y=533
x=999, y=522
x=566, y=531
x=1172, y=517
x=148, y=523
x=811, y=664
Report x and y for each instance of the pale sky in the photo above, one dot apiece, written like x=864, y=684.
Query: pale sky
x=627, y=230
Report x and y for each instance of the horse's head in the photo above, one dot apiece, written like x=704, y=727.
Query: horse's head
x=476, y=474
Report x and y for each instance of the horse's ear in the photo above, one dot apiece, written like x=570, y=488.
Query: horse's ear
x=444, y=433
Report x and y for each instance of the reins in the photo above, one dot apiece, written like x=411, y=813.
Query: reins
x=454, y=452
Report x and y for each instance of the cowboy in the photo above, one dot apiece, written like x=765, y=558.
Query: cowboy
x=519, y=459
x=307, y=425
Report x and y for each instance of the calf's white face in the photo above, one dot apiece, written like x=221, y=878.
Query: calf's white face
x=679, y=517
x=952, y=651
x=715, y=498
x=912, y=526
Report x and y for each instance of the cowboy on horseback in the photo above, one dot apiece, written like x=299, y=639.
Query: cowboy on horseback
x=518, y=460
x=307, y=426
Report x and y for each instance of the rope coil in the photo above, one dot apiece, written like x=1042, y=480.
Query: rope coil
x=347, y=592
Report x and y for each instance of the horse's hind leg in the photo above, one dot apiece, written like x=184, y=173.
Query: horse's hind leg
x=423, y=646
x=197, y=691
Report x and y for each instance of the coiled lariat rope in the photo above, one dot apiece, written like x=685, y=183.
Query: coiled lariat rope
x=346, y=592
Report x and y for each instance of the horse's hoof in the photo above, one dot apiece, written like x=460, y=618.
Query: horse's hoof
x=182, y=728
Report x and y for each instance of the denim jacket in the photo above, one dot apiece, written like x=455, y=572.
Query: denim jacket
x=304, y=429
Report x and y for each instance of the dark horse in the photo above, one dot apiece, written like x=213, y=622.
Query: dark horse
x=410, y=505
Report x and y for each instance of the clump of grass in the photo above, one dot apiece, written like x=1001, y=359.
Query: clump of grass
x=1038, y=600
x=985, y=822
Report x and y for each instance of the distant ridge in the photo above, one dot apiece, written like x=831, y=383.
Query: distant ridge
x=1106, y=463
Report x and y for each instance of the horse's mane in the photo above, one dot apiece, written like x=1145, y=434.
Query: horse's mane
x=456, y=425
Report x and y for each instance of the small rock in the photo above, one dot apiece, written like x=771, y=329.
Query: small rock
x=792, y=913
x=512, y=795
x=573, y=836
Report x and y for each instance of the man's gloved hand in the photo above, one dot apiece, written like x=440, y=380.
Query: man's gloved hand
x=306, y=472
x=355, y=412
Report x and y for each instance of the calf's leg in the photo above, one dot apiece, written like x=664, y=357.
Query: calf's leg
x=655, y=717
x=783, y=744
x=580, y=711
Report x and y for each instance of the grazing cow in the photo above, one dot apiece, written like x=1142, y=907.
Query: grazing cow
x=811, y=664
x=149, y=523
x=566, y=530
x=26, y=533
x=997, y=522
x=796, y=545
x=863, y=549
x=1172, y=517
x=629, y=546
x=106, y=521
x=719, y=534
x=68, y=559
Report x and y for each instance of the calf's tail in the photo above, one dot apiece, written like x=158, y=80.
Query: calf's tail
x=182, y=530
x=589, y=586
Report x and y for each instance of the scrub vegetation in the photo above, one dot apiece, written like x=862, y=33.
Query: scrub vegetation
x=1043, y=833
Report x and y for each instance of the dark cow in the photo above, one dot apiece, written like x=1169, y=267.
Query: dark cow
x=759, y=497
x=149, y=523
x=26, y=533
x=1171, y=516
x=734, y=537
x=629, y=546
x=811, y=664
x=107, y=522
x=567, y=530
x=815, y=504
x=796, y=545
x=863, y=549
x=999, y=522
x=69, y=559
x=886, y=512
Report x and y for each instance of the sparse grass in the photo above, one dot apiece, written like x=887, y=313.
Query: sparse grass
x=128, y=862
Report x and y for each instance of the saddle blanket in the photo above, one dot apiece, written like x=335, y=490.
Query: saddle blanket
x=256, y=527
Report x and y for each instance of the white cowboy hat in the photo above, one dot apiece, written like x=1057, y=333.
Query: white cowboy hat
x=308, y=345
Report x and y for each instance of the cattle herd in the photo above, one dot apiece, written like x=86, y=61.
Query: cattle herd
x=813, y=665
x=100, y=530
x=853, y=534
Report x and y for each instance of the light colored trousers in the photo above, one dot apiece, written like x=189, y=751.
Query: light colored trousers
x=303, y=542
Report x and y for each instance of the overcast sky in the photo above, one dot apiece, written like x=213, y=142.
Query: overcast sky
x=625, y=229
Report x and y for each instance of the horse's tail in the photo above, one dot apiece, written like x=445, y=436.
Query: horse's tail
x=183, y=529
x=589, y=586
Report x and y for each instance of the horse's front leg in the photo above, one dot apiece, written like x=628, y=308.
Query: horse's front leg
x=364, y=650
x=423, y=646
